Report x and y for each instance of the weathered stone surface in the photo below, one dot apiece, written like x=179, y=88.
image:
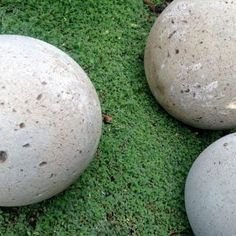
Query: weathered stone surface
x=190, y=62
x=50, y=120
x=210, y=190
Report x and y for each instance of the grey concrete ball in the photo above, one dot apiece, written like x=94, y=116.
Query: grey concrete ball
x=190, y=62
x=50, y=120
x=210, y=190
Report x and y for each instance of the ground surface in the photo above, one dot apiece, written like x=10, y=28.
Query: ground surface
x=135, y=184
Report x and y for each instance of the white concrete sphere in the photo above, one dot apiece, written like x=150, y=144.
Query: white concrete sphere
x=50, y=120
x=190, y=62
x=210, y=191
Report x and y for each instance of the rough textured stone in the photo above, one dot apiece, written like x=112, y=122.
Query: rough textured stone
x=190, y=62
x=210, y=190
x=50, y=120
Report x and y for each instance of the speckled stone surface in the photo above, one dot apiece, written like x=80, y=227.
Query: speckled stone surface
x=190, y=62
x=210, y=191
x=50, y=120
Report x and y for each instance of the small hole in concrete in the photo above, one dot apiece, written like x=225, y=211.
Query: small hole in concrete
x=43, y=163
x=22, y=125
x=26, y=145
x=3, y=156
x=39, y=96
x=51, y=175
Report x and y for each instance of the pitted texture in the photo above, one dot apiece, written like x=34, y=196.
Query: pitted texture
x=210, y=190
x=190, y=62
x=50, y=120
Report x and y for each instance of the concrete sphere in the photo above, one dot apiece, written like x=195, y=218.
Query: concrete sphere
x=50, y=120
x=190, y=62
x=210, y=190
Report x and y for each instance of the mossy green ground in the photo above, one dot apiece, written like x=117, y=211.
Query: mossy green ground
x=135, y=185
